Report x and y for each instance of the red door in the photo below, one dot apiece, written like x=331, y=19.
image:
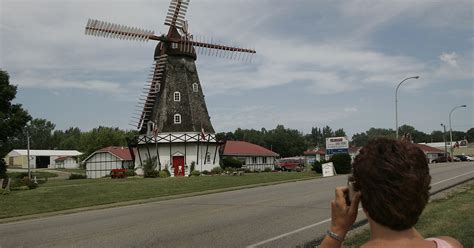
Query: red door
x=178, y=164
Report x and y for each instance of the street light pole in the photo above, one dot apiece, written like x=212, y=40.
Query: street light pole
x=396, y=101
x=450, y=129
x=444, y=140
x=28, y=152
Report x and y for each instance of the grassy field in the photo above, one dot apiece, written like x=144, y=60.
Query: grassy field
x=451, y=216
x=68, y=194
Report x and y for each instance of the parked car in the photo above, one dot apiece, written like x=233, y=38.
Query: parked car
x=289, y=164
x=461, y=157
x=469, y=158
x=441, y=159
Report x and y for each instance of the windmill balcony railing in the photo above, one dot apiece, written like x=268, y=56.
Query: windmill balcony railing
x=176, y=138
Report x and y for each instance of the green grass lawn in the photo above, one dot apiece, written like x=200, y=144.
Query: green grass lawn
x=451, y=216
x=68, y=194
x=38, y=174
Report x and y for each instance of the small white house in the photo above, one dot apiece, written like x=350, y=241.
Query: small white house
x=101, y=162
x=253, y=157
x=66, y=162
x=38, y=158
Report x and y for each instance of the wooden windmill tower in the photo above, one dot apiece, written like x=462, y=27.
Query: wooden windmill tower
x=172, y=119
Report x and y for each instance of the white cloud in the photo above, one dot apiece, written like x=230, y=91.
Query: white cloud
x=449, y=58
x=351, y=109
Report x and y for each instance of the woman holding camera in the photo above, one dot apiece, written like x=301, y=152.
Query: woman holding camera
x=391, y=178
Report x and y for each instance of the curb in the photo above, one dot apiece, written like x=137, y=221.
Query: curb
x=148, y=200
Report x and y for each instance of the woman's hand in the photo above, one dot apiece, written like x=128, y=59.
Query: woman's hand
x=342, y=215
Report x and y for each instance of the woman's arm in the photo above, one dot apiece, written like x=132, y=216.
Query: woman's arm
x=342, y=217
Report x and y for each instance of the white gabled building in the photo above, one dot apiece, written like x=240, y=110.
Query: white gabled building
x=101, y=162
x=253, y=157
x=38, y=158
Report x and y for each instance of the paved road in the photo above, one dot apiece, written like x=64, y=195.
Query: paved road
x=281, y=215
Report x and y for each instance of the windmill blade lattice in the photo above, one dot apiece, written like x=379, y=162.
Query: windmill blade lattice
x=205, y=48
x=149, y=95
x=177, y=13
x=117, y=31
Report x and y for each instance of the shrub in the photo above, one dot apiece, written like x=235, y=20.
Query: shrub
x=193, y=166
x=216, y=170
x=149, y=168
x=195, y=173
x=317, y=166
x=130, y=173
x=342, y=163
x=25, y=182
x=267, y=169
x=205, y=172
x=247, y=170
x=164, y=173
x=77, y=176
x=230, y=162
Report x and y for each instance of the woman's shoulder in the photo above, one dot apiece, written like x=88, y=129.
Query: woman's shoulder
x=454, y=243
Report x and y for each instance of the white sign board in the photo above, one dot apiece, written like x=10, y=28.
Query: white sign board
x=337, y=143
x=328, y=169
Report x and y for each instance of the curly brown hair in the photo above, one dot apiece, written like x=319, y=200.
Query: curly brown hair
x=394, y=180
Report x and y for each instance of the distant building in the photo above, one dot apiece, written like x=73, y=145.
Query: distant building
x=38, y=158
x=320, y=153
x=101, y=162
x=314, y=155
x=66, y=162
x=430, y=152
x=253, y=157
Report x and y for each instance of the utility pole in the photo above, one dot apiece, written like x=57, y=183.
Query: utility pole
x=444, y=140
x=28, y=152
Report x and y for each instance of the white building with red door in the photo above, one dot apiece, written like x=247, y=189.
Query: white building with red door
x=178, y=151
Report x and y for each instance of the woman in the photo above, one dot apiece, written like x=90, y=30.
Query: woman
x=391, y=178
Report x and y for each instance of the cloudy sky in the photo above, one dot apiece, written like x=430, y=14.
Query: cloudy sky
x=318, y=63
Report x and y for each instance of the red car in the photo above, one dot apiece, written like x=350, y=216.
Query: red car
x=289, y=164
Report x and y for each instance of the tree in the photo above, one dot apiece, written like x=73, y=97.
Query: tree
x=436, y=136
x=340, y=133
x=470, y=134
x=417, y=136
x=13, y=118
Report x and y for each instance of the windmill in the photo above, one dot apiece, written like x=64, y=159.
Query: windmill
x=172, y=117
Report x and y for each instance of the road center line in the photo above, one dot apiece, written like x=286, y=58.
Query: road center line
x=328, y=220
x=442, y=181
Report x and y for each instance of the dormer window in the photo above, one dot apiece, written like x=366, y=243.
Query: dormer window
x=195, y=87
x=149, y=128
x=177, y=119
x=177, y=96
x=174, y=45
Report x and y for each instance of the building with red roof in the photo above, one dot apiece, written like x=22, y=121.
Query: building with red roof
x=430, y=152
x=252, y=156
x=101, y=162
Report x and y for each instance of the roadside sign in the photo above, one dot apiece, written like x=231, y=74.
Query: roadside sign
x=328, y=169
x=337, y=145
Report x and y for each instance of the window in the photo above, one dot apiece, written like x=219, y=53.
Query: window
x=157, y=87
x=264, y=160
x=174, y=45
x=177, y=96
x=208, y=157
x=177, y=119
x=195, y=87
x=149, y=128
x=254, y=160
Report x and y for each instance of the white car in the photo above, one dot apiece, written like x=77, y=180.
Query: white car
x=469, y=158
